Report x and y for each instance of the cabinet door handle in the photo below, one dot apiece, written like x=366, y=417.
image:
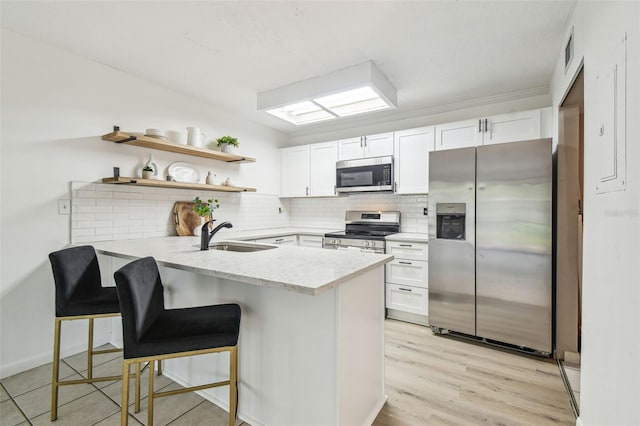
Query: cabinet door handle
x=406, y=245
x=406, y=263
x=279, y=240
x=307, y=190
x=365, y=141
x=404, y=289
x=334, y=190
x=479, y=126
x=486, y=125
x=395, y=187
x=361, y=142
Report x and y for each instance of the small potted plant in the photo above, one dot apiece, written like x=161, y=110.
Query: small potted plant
x=205, y=209
x=227, y=143
x=147, y=172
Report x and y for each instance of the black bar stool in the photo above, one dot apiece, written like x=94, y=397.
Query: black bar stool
x=80, y=295
x=153, y=333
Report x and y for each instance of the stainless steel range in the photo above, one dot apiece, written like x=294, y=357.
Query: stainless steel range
x=365, y=230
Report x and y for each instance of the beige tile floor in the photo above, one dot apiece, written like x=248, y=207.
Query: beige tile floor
x=25, y=398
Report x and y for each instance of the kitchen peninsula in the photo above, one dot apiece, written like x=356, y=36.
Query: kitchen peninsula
x=312, y=337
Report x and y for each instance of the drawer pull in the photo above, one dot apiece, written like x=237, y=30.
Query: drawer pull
x=404, y=289
x=406, y=245
x=279, y=240
x=406, y=263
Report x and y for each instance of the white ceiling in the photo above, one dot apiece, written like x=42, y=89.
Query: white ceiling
x=434, y=52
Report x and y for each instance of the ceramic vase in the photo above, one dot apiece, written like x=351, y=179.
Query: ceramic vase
x=225, y=147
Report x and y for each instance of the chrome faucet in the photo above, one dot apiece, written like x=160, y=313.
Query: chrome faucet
x=205, y=235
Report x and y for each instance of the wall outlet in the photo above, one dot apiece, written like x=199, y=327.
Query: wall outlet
x=425, y=211
x=64, y=206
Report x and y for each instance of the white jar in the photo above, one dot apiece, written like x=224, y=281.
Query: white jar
x=211, y=178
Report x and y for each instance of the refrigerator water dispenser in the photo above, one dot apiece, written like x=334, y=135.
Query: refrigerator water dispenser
x=451, y=221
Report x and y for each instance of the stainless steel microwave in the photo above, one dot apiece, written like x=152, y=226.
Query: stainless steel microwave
x=363, y=175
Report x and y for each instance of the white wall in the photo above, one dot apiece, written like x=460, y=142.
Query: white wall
x=610, y=374
x=55, y=105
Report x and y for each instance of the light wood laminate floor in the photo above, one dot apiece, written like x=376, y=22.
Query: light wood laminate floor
x=434, y=380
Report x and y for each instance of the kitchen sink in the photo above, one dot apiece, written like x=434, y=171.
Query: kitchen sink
x=240, y=246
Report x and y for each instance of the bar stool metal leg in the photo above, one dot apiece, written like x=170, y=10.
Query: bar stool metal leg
x=56, y=370
x=150, y=398
x=137, y=390
x=233, y=385
x=90, y=351
x=159, y=367
x=124, y=412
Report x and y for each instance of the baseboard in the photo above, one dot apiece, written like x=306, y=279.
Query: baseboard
x=212, y=399
x=408, y=317
x=376, y=410
x=34, y=361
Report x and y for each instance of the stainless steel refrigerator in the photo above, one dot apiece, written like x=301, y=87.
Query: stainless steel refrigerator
x=490, y=264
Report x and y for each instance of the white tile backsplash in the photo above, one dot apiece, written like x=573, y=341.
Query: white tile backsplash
x=102, y=212
x=329, y=212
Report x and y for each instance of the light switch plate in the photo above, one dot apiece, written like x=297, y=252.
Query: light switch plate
x=64, y=206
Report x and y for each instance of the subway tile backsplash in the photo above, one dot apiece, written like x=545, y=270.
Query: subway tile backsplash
x=101, y=212
x=329, y=212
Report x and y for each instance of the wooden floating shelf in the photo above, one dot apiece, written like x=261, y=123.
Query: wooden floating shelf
x=162, y=145
x=179, y=185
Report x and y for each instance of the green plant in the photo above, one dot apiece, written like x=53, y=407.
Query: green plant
x=205, y=208
x=147, y=169
x=227, y=140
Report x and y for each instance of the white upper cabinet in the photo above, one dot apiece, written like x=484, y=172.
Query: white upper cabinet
x=366, y=146
x=350, y=149
x=322, y=168
x=459, y=134
x=309, y=170
x=294, y=171
x=378, y=145
x=511, y=127
x=411, y=157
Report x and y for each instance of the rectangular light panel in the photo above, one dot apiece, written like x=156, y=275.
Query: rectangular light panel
x=350, y=102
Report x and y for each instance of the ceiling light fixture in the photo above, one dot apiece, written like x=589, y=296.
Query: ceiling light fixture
x=355, y=90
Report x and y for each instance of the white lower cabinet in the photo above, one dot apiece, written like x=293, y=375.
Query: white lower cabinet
x=407, y=272
x=305, y=240
x=414, y=300
x=291, y=240
x=407, y=281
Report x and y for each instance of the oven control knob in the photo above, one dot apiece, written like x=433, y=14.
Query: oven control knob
x=339, y=241
x=367, y=243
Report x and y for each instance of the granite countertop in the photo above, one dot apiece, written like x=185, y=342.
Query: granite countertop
x=304, y=270
x=408, y=236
